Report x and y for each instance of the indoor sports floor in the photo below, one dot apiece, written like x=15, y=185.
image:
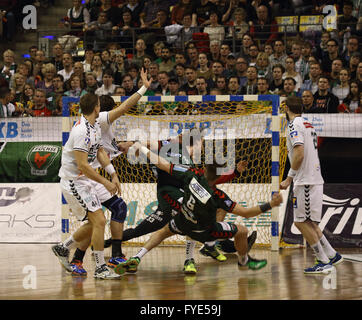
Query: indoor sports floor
x=32, y=272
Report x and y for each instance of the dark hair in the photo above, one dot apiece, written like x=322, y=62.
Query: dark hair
x=4, y=91
x=108, y=72
x=107, y=103
x=294, y=104
x=88, y=102
x=290, y=78
x=280, y=66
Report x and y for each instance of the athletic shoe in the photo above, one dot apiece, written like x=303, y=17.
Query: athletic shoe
x=254, y=264
x=337, y=259
x=228, y=246
x=189, y=266
x=318, y=268
x=114, y=262
x=77, y=268
x=62, y=253
x=130, y=266
x=107, y=243
x=105, y=273
x=212, y=252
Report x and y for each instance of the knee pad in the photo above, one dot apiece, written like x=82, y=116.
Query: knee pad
x=117, y=207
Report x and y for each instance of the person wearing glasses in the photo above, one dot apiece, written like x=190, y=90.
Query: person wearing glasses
x=333, y=53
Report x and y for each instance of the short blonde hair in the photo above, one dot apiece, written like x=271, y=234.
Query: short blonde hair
x=48, y=67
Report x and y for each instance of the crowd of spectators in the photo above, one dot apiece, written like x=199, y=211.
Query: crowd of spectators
x=325, y=73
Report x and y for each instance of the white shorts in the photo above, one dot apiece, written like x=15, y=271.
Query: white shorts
x=83, y=194
x=308, y=202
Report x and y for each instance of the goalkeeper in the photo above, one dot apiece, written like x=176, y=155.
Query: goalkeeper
x=169, y=195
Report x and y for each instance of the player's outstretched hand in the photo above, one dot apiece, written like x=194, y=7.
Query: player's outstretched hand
x=276, y=200
x=144, y=76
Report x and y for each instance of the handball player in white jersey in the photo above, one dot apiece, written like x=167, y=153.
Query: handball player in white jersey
x=114, y=204
x=305, y=173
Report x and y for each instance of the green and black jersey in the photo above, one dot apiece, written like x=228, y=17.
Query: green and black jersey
x=200, y=201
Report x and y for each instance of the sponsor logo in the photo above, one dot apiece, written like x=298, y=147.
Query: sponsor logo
x=40, y=157
x=199, y=191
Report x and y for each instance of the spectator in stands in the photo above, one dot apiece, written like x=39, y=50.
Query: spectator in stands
x=190, y=86
x=342, y=89
x=113, y=12
x=193, y=57
x=214, y=50
x=8, y=67
x=289, y=87
x=26, y=95
x=359, y=72
x=203, y=68
x=162, y=88
x=17, y=85
x=351, y=102
x=97, y=67
x=262, y=64
x=99, y=31
x=347, y=22
x=307, y=101
x=124, y=30
x=230, y=66
x=149, y=14
x=240, y=68
x=225, y=50
x=250, y=86
x=91, y=82
x=325, y=101
x=214, y=29
x=173, y=86
x=268, y=49
x=201, y=10
x=128, y=85
x=32, y=52
x=7, y=109
x=311, y=84
x=336, y=68
x=321, y=50
x=157, y=50
x=38, y=64
x=57, y=58
x=188, y=28
x=140, y=52
x=120, y=92
x=135, y=7
x=87, y=62
x=108, y=87
x=276, y=85
x=352, y=47
x=78, y=16
x=253, y=54
x=290, y=72
x=8, y=17
x=238, y=25
x=49, y=71
x=167, y=64
x=217, y=69
x=39, y=106
x=153, y=73
x=162, y=20
x=246, y=42
x=279, y=55
x=120, y=67
x=106, y=59
x=332, y=48
x=201, y=86
x=263, y=86
x=178, y=11
x=264, y=29
x=180, y=70
x=221, y=84
x=306, y=53
x=23, y=69
x=68, y=66
x=75, y=89
x=233, y=85
x=58, y=84
x=297, y=55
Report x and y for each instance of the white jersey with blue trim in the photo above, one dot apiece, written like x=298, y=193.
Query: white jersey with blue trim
x=109, y=142
x=83, y=137
x=301, y=132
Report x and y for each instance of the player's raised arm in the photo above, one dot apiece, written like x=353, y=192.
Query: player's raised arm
x=254, y=211
x=132, y=100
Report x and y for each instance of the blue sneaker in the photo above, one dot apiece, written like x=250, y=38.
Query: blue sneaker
x=318, y=268
x=77, y=268
x=337, y=259
x=114, y=262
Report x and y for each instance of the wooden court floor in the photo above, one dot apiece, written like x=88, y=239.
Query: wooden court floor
x=31, y=272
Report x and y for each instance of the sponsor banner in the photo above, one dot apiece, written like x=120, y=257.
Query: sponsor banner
x=30, y=212
x=341, y=216
x=31, y=129
x=30, y=161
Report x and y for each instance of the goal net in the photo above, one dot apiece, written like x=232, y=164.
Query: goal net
x=237, y=127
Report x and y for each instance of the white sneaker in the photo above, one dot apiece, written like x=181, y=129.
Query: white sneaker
x=103, y=272
x=62, y=253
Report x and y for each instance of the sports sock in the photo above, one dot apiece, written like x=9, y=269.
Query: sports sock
x=243, y=259
x=210, y=243
x=68, y=243
x=99, y=258
x=78, y=255
x=116, y=248
x=328, y=249
x=190, y=246
x=141, y=253
x=319, y=252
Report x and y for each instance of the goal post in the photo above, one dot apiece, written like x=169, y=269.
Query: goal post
x=253, y=122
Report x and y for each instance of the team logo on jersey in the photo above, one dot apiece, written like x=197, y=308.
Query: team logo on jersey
x=40, y=157
x=295, y=203
x=293, y=134
x=199, y=191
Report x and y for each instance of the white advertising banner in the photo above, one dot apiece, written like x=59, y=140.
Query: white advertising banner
x=30, y=213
